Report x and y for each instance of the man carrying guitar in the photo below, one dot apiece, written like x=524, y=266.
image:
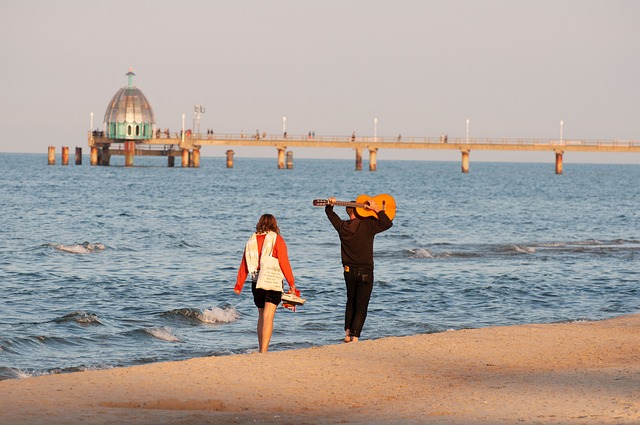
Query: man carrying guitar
x=356, y=247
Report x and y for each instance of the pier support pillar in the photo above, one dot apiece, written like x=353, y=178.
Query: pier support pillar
x=465, y=160
x=65, y=155
x=559, y=162
x=289, y=160
x=171, y=161
x=51, y=158
x=78, y=155
x=358, y=159
x=281, y=158
x=185, y=158
x=129, y=153
x=230, y=158
x=196, y=158
x=105, y=156
x=94, y=156
x=373, y=163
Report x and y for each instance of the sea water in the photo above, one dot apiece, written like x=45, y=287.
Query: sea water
x=105, y=267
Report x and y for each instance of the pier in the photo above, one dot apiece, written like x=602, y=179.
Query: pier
x=129, y=129
x=187, y=146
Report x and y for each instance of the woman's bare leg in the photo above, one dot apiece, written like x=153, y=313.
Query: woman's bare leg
x=266, y=321
x=259, y=327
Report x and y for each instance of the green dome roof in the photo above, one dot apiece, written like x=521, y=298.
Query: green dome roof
x=129, y=115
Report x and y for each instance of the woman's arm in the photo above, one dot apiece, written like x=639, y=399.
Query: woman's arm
x=280, y=252
x=243, y=272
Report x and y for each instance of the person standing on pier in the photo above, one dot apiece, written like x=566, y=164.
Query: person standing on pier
x=356, y=247
x=265, y=239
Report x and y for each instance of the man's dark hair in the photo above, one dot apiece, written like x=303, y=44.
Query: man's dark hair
x=351, y=209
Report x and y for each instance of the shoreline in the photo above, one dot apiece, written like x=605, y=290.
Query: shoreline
x=565, y=373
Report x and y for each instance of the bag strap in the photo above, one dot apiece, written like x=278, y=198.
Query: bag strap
x=269, y=243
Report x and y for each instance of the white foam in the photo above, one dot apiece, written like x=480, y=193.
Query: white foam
x=12, y=373
x=220, y=315
x=553, y=245
x=72, y=249
x=589, y=242
x=421, y=253
x=525, y=249
x=98, y=367
x=163, y=333
x=84, y=248
x=87, y=318
x=21, y=374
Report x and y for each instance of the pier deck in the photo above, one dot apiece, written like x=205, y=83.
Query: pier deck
x=188, y=147
x=425, y=143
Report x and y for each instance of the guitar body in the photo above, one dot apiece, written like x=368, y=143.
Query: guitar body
x=384, y=201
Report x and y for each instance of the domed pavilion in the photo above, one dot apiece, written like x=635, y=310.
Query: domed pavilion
x=129, y=115
x=129, y=130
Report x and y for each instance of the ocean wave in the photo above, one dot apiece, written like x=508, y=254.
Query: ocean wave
x=14, y=345
x=164, y=333
x=427, y=253
x=587, y=243
x=80, y=317
x=524, y=249
x=590, y=246
x=420, y=253
x=15, y=373
x=511, y=249
x=12, y=373
x=80, y=368
x=23, y=344
x=551, y=244
x=212, y=315
x=220, y=315
x=83, y=248
x=586, y=246
x=185, y=244
x=187, y=313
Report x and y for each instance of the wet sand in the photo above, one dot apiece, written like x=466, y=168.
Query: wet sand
x=573, y=373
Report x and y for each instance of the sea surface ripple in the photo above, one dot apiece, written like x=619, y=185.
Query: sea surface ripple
x=104, y=267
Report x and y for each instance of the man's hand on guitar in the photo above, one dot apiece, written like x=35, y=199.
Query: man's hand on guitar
x=372, y=205
x=331, y=201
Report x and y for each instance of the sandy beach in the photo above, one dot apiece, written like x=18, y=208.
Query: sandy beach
x=572, y=373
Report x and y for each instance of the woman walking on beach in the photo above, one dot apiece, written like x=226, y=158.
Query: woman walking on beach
x=266, y=239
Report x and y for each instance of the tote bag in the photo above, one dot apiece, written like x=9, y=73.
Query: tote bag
x=270, y=275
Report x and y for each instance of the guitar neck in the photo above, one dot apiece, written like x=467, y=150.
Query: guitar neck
x=383, y=207
x=350, y=204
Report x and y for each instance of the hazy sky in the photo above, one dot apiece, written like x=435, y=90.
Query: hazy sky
x=422, y=67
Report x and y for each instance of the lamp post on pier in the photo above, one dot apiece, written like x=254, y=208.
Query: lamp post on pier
x=467, y=130
x=375, y=130
x=561, y=129
x=182, y=132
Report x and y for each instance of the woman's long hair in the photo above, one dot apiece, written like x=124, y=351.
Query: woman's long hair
x=267, y=223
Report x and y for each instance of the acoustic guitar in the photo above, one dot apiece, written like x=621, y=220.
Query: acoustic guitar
x=384, y=201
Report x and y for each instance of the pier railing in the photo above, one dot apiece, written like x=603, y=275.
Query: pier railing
x=398, y=142
x=188, y=145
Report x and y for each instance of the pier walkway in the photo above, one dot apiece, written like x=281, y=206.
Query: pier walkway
x=188, y=147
